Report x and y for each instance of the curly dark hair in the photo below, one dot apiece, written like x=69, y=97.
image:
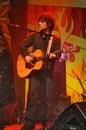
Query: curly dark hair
x=48, y=18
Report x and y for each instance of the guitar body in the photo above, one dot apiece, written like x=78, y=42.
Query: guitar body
x=24, y=71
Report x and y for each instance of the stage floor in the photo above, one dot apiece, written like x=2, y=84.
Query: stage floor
x=19, y=126
x=13, y=127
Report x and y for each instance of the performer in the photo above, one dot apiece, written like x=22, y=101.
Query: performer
x=41, y=81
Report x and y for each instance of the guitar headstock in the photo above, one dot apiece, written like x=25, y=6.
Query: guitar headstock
x=71, y=48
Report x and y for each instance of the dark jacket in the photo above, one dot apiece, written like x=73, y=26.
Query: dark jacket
x=40, y=41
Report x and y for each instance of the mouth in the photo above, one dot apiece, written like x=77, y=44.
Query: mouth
x=40, y=27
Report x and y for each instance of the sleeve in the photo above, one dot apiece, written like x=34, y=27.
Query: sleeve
x=28, y=42
x=58, y=44
x=57, y=47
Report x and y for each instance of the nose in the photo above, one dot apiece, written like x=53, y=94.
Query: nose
x=39, y=23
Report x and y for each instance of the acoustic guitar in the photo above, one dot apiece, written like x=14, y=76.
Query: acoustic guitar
x=24, y=69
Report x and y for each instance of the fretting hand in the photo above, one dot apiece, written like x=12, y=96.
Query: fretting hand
x=52, y=56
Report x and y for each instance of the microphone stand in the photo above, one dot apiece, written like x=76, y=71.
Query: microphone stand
x=23, y=28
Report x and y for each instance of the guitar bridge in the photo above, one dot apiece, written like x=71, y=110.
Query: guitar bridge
x=29, y=65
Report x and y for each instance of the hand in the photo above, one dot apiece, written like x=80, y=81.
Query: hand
x=28, y=59
x=63, y=57
x=52, y=55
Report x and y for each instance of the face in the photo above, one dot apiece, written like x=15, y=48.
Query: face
x=43, y=26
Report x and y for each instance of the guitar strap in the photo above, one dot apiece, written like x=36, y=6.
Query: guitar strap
x=49, y=44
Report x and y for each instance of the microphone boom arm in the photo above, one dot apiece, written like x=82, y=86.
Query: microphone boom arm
x=24, y=28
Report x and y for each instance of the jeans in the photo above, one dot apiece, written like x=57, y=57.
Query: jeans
x=39, y=98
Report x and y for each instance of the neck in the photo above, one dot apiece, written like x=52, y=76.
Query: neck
x=47, y=31
x=44, y=34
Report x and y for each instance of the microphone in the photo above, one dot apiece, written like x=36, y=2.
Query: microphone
x=14, y=25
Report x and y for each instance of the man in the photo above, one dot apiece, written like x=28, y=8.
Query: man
x=41, y=81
